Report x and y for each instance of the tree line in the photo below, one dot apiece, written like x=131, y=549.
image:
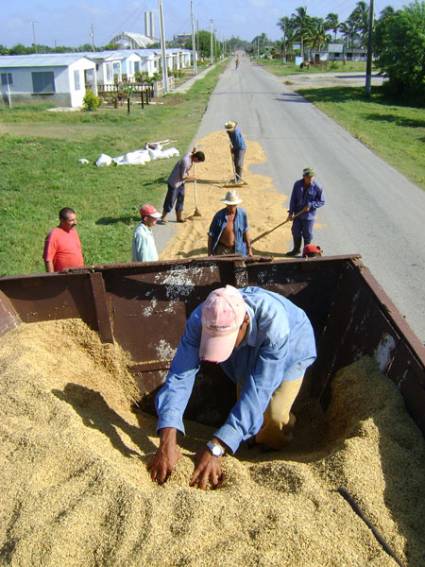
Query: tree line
x=398, y=42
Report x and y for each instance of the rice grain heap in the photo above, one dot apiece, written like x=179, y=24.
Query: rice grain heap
x=76, y=490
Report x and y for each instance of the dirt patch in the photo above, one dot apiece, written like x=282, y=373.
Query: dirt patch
x=326, y=80
x=76, y=491
x=55, y=131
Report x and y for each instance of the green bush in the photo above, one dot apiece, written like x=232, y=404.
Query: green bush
x=400, y=47
x=91, y=101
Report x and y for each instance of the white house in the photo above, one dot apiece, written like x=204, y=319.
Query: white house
x=182, y=58
x=109, y=65
x=150, y=60
x=61, y=79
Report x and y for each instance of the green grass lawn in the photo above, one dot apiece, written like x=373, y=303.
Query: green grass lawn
x=39, y=153
x=393, y=131
x=283, y=69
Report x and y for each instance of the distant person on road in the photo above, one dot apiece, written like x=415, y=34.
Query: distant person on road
x=228, y=232
x=237, y=149
x=143, y=247
x=307, y=196
x=176, y=185
x=62, y=247
x=237, y=62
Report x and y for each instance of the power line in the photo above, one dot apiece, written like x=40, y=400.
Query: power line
x=132, y=17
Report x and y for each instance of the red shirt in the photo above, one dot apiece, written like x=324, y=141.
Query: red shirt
x=63, y=248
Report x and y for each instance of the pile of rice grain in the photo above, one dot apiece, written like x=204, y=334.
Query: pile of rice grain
x=76, y=491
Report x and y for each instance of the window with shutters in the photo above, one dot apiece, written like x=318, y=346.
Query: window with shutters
x=43, y=82
x=6, y=79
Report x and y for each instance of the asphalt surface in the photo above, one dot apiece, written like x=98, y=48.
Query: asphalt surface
x=370, y=208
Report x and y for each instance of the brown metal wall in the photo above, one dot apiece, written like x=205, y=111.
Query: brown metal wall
x=144, y=307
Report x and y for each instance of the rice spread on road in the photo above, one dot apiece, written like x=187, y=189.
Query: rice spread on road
x=266, y=207
x=76, y=491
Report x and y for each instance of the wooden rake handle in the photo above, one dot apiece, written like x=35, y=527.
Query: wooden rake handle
x=263, y=234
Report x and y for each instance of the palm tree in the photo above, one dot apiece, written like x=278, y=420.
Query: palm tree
x=287, y=27
x=332, y=23
x=359, y=19
x=349, y=33
x=317, y=34
x=301, y=19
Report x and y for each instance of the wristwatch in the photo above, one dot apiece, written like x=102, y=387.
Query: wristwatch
x=215, y=449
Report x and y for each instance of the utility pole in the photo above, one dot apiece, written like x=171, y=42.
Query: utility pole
x=194, y=54
x=163, y=55
x=258, y=47
x=211, y=42
x=368, y=84
x=34, y=42
x=92, y=37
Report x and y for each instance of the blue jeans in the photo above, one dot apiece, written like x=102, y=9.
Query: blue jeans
x=174, y=196
x=303, y=229
x=238, y=159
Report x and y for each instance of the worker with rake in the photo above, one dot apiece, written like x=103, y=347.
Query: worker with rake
x=228, y=233
x=237, y=150
x=176, y=185
x=264, y=343
x=306, y=197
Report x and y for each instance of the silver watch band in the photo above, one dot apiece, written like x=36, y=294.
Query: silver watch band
x=215, y=449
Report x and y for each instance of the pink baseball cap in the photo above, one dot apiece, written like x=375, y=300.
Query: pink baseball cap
x=223, y=313
x=148, y=210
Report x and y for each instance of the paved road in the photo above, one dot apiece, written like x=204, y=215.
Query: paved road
x=371, y=208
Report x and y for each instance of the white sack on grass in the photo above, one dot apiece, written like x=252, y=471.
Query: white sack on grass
x=155, y=153
x=83, y=161
x=163, y=154
x=103, y=160
x=170, y=152
x=139, y=157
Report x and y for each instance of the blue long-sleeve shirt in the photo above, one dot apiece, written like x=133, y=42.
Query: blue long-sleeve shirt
x=279, y=346
x=240, y=227
x=311, y=196
x=236, y=139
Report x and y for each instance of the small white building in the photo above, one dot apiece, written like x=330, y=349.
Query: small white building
x=112, y=65
x=61, y=79
x=150, y=61
x=182, y=58
x=109, y=66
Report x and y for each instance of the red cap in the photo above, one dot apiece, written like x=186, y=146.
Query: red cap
x=149, y=211
x=312, y=250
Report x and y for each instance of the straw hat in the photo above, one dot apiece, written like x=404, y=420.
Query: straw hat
x=230, y=125
x=232, y=198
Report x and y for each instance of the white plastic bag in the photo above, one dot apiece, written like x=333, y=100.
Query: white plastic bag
x=103, y=160
x=139, y=157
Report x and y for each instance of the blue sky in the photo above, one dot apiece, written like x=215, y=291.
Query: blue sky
x=67, y=22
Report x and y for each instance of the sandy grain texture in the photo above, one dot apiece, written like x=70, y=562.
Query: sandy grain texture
x=75, y=489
